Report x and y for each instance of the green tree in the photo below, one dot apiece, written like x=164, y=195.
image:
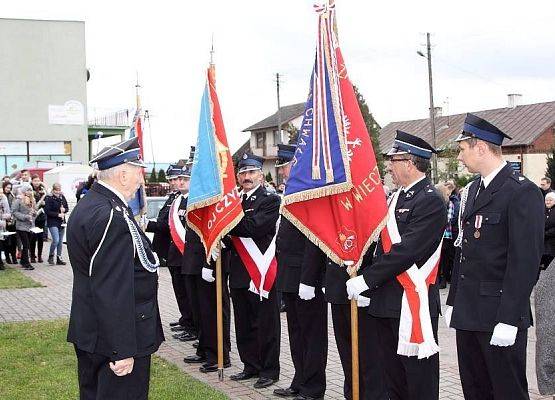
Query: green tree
x=373, y=128
x=550, y=171
x=162, y=176
x=269, y=177
x=152, y=178
x=293, y=133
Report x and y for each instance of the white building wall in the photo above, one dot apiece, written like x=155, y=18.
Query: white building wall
x=43, y=68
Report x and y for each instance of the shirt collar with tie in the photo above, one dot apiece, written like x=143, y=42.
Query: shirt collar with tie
x=249, y=193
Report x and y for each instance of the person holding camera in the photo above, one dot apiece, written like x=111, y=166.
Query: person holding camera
x=56, y=209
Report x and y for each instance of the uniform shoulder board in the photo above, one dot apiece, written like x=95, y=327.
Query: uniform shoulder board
x=518, y=177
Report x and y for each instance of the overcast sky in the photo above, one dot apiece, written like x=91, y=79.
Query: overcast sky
x=482, y=50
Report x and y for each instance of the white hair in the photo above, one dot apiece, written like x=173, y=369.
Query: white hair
x=550, y=195
x=110, y=173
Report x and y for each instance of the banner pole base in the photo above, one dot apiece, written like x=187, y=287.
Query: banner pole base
x=221, y=374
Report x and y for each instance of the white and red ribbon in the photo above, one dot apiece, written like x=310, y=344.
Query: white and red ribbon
x=262, y=267
x=416, y=335
x=177, y=230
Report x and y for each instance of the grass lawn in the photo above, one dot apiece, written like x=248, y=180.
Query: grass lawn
x=38, y=363
x=12, y=278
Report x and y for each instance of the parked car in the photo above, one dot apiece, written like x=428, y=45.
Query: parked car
x=153, y=206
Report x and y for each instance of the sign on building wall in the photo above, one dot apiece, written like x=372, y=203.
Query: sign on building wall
x=71, y=113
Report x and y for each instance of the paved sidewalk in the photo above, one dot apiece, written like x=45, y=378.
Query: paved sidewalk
x=53, y=301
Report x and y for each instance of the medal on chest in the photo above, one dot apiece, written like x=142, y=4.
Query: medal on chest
x=478, y=225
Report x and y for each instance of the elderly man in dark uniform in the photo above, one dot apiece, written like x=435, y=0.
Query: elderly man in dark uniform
x=501, y=239
x=115, y=322
x=257, y=323
x=420, y=218
x=307, y=320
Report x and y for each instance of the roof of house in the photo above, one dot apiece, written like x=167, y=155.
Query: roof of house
x=288, y=113
x=245, y=148
x=524, y=124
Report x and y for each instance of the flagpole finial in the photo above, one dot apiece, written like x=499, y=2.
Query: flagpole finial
x=137, y=87
x=212, y=51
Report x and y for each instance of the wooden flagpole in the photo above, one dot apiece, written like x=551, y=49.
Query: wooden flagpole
x=354, y=337
x=219, y=314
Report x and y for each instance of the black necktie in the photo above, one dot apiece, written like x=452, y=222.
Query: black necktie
x=481, y=188
x=245, y=197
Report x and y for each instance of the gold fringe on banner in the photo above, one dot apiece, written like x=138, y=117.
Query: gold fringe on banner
x=329, y=253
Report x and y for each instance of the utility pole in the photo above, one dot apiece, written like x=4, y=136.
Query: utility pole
x=432, y=110
x=279, y=110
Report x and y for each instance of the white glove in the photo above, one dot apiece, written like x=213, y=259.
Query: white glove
x=207, y=275
x=356, y=286
x=215, y=253
x=447, y=316
x=503, y=335
x=306, y=292
x=363, y=301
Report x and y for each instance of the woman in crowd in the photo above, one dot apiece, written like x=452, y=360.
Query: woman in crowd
x=56, y=208
x=545, y=306
x=10, y=242
x=24, y=212
x=5, y=216
x=37, y=239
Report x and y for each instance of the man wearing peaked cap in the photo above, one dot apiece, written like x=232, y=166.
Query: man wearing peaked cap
x=501, y=239
x=115, y=322
x=411, y=366
x=257, y=323
x=159, y=225
x=126, y=152
x=306, y=308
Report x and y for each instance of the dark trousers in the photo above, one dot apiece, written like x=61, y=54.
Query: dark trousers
x=371, y=378
x=492, y=372
x=98, y=382
x=180, y=291
x=10, y=245
x=208, y=339
x=257, y=330
x=406, y=377
x=446, y=261
x=307, y=323
x=24, y=236
x=37, y=244
x=191, y=288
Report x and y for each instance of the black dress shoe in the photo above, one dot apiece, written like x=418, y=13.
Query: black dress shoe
x=243, y=376
x=264, y=382
x=177, y=328
x=301, y=397
x=196, y=344
x=209, y=367
x=289, y=392
x=174, y=323
x=194, y=359
x=187, y=337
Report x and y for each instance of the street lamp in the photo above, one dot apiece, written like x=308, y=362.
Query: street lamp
x=432, y=109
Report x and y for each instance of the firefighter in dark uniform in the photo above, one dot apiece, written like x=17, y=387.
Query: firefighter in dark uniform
x=319, y=271
x=114, y=322
x=501, y=240
x=421, y=217
x=202, y=298
x=160, y=225
x=307, y=320
x=257, y=321
x=186, y=330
